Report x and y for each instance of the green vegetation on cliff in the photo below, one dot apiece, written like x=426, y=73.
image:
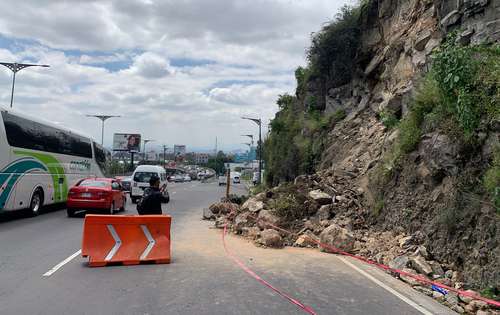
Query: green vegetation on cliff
x=299, y=131
x=460, y=97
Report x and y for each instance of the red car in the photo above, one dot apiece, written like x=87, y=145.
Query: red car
x=102, y=194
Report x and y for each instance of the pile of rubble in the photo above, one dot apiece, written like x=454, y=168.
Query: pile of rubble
x=331, y=213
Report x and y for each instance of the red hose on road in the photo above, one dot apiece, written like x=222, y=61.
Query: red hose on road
x=419, y=278
x=304, y=307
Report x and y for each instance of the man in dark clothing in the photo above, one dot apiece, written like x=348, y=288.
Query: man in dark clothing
x=152, y=199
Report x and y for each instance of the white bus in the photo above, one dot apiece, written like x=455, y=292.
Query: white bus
x=40, y=161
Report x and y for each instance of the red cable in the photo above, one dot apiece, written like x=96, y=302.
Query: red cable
x=419, y=278
x=304, y=307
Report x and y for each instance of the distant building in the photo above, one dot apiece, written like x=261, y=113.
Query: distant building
x=201, y=158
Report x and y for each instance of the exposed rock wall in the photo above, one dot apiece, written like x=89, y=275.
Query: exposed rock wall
x=397, y=41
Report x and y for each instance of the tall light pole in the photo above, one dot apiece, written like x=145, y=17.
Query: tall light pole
x=258, y=121
x=103, y=118
x=15, y=68
x=144, y=148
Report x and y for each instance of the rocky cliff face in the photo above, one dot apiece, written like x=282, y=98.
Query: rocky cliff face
x=397, y=40
x=431, y=196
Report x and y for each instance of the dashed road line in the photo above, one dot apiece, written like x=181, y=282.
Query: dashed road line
x=62, y=263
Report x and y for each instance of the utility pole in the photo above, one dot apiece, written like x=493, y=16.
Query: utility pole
x=103, y=118
x=258, y=121
x=228, y=181
x=132, y=160
x=15, y=68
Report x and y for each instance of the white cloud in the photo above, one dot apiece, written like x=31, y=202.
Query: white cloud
x=178, y=71
x=151, y=66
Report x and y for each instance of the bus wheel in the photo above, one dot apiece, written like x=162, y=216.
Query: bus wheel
x=36, y=202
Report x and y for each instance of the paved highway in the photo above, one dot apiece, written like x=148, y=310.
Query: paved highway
x=200, y=279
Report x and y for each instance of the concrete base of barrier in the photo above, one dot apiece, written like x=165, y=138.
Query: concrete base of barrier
x=128, y=263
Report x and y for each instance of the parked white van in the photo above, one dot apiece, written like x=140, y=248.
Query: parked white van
x=140, y=180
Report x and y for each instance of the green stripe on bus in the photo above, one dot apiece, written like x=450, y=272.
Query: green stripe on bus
x=14, y=171
x=55, y=170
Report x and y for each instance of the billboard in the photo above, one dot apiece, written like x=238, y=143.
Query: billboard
x=179, y=150
x=126, y=142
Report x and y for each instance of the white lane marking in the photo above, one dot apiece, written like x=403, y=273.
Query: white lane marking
x=62, y=263
x=118, y=243
x=151, y=240
x=391, y=290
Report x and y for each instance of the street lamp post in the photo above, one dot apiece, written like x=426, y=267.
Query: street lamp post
x=144, y=148
x=103, y=118
x=15, y=68
x=258, y=121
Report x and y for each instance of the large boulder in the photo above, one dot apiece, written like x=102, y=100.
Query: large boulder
x=410, y=280
x=252, y=232
x=242, y=220
x=266, y=219
x=421, y=265
x=224, y=208
x=306, y=240
x=260, y=196
x=253, y=205
x=271, y=238
x=320, y=197
x=399, y=262
x=338, y=237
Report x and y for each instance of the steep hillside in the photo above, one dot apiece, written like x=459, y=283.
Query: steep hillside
x=401, y=101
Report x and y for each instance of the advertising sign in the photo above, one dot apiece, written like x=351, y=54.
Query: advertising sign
x=179, y=150
x=126, y=142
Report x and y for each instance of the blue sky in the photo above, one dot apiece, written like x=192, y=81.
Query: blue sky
x=184, y=74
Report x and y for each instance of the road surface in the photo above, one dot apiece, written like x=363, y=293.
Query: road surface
x=200, y=280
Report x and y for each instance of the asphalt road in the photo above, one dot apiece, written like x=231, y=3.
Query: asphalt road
x=200, y=280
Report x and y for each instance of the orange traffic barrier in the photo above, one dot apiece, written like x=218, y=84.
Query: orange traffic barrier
x=127, y=240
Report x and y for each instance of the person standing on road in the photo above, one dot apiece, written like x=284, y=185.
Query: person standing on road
x=152, y=199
